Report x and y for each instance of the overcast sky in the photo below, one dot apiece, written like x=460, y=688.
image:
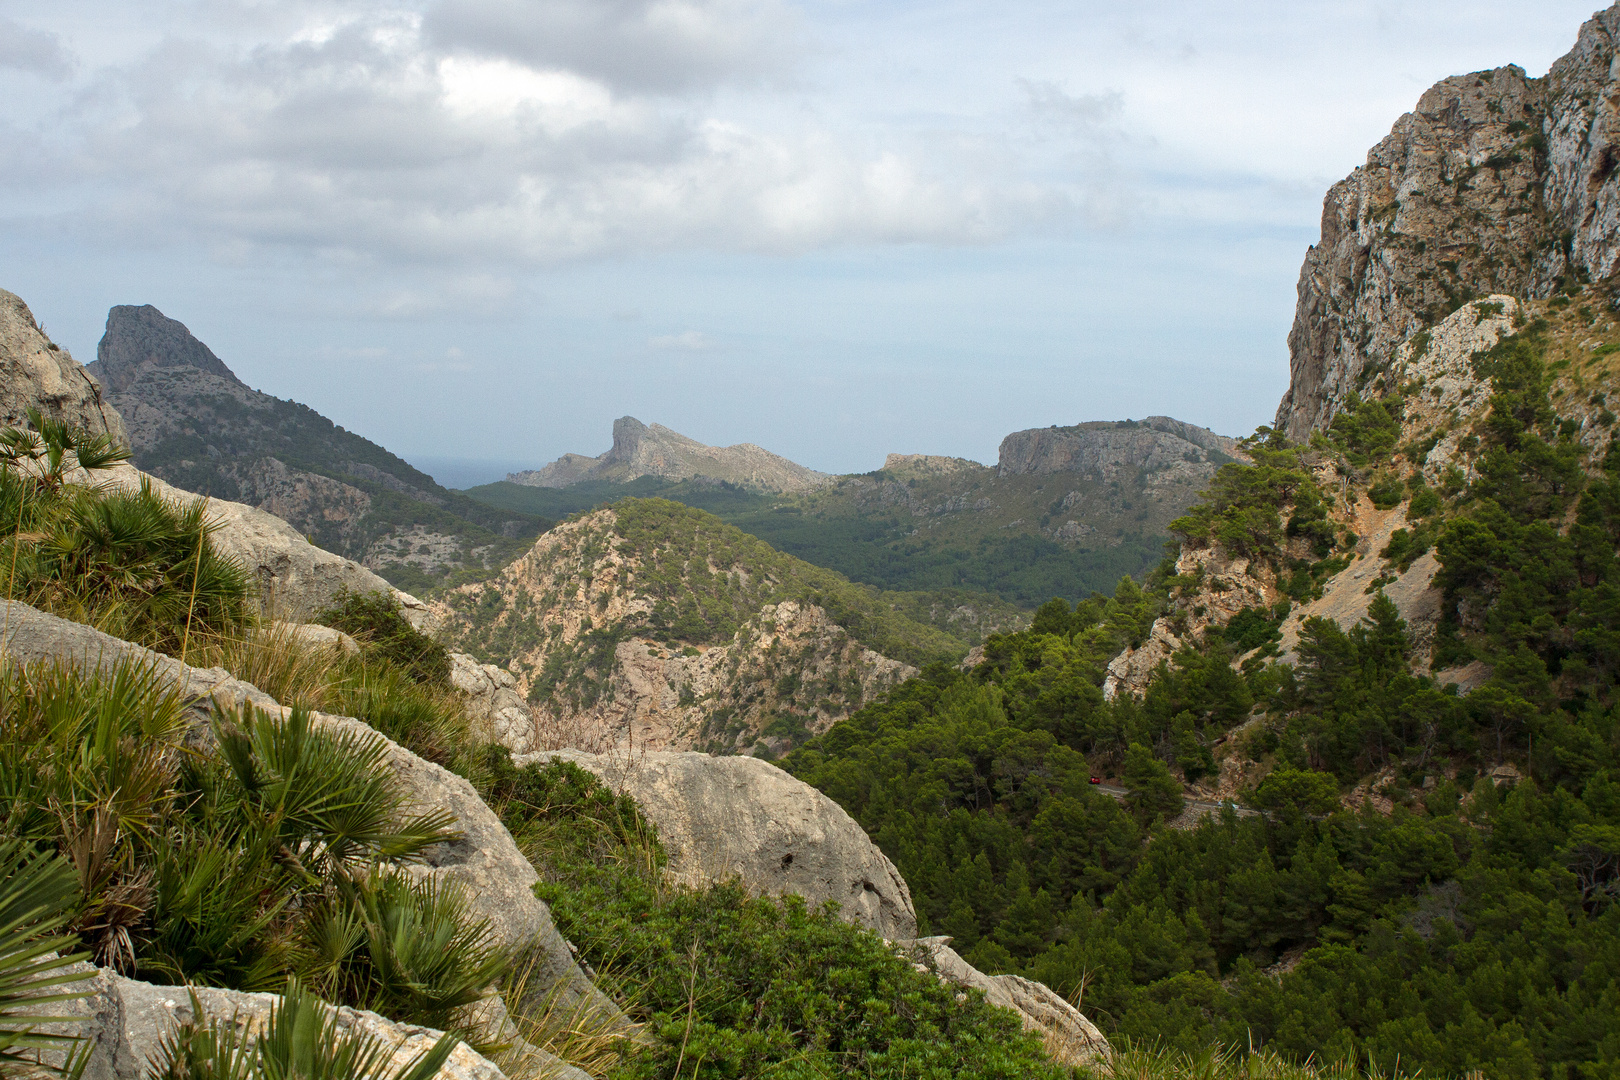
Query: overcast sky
x=483, y=229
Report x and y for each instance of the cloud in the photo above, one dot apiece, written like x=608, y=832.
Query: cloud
x=366, y=140
x=37, y=51
x=635, y=46
x=688, y=341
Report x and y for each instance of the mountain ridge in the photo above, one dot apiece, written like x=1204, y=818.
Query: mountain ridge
x=641, y=450
x=193, y=423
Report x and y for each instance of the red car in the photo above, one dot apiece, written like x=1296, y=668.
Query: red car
x=1096, y=779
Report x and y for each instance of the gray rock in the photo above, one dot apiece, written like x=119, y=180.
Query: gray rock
x=1070, y=1038
x=126, y=1022
x=639, y=450
x=500, y=713
x=1495, y=183
x=724, y=817
x=1112, y=450
x=483, y=859
x=295, y=578
x=318, y=636
x=35, y=373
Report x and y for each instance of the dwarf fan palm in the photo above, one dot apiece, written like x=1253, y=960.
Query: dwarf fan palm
x=38, y=894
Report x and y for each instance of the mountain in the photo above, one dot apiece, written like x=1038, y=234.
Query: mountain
x=1065, y=511
x=1495, y=183
x=639, y=450
x=652, y=624
x=192, y=422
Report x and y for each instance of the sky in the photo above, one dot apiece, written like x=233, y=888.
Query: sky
x=477, y=231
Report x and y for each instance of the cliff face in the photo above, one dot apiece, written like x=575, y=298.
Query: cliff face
x=36, y=373
x=623, y=628
x=1109, y=450
x=639, y=450
x=1495, y=183
x=192, y=422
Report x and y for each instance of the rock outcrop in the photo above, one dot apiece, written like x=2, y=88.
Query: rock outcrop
x=1495, y=183
x=1070, y=1037
x=499, y=712
x=738, y=817
x=483, y=859
x=639, y=450
x=576, y=622
x=295, y=578
x=1108, y=450
x=125, y=1024
x=36, y=373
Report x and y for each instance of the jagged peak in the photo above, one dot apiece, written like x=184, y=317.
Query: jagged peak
x=139, y=338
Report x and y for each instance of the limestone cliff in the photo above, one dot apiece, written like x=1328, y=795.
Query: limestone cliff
x=1166, y=450
x=639, y=450
x=1495, y=183
x=36, y=373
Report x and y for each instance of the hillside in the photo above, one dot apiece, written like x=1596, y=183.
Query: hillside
x=641, y=451
x=1065, y=512
x=192, y=422
x=1388, y=644
x=659, y=624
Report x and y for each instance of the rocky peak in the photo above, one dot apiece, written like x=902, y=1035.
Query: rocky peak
x=142, y=338
x=1495, y=183
x=1108, y=448
x=642, y=450
x=36, y=373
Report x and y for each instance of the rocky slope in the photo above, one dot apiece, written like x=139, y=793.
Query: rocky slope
x=191, y=421
x=1495, y=183
x=652, y=625
x=639, y=450
x=37, y=373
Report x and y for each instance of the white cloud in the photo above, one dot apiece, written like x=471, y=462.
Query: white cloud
x=687, y=341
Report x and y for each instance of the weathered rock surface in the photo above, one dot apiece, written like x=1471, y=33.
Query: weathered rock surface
x=36, y=373
x=483, y=859
x=126, y=1022
x=1110, y=449
x=927, y=464
x=725, y=817
x=294, y=577
x=314, y=634
x=1495, y=183
x=1450, y=396
x=495, y=704
x=786, y=659
x=639, y=450
x=1070, y=1038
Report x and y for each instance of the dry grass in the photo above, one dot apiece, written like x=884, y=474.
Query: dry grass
x=1151, y=1063
x=573, y=1033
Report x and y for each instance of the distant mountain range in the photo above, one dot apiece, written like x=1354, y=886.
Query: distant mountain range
x=1065, y=511
x=192, y=422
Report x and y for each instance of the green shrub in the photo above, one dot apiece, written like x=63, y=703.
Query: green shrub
x=733, y=985
x=374, y=619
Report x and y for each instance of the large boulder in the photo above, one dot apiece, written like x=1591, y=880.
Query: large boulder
x=483, y=859
x=739, y=817
x=499, y=712
x=37, y=373
x=295, y=578
x=125, y=1024
x=1070, y=1038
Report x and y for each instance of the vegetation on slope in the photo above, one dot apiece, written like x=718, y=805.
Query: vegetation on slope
x=1472, y=927
x=868, y=528
x=731, y=985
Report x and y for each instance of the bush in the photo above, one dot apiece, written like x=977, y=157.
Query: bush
x=375, y=620
x=733, y=985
